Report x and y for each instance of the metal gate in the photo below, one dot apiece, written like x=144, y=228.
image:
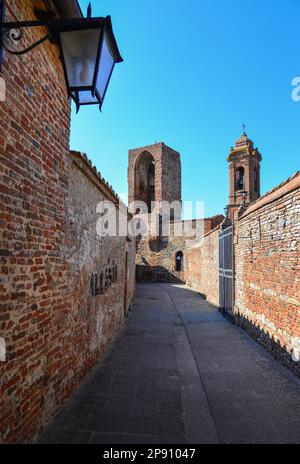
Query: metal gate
x=226, y=270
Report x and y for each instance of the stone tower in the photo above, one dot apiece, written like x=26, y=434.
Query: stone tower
x=154, y=174
x=244, y=174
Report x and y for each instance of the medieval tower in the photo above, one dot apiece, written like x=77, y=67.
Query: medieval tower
x=154, y=174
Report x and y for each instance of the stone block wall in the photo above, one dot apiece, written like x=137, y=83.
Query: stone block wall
x=267, y=270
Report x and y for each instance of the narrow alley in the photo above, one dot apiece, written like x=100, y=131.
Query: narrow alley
x=181, y=373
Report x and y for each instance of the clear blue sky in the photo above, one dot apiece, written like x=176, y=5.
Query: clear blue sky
x=193, y=71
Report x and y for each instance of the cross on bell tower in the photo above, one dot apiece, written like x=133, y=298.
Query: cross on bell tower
x=244, y=174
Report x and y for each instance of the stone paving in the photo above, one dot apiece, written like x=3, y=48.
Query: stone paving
x=181, y=373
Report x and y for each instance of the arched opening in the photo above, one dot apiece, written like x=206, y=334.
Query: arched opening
x=145, y=180
x=240, y=179
x=179, y=261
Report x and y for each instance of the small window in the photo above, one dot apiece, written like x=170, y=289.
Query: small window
x=239, y=179
x=179, y=261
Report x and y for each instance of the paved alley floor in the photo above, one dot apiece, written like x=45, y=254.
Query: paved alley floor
x=181, y=373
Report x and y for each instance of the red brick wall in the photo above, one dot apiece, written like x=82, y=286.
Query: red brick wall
x=267, y=262
x=158, y=254
x=167, y=173
x=34, y=165
x=54, y=330
x=202, y=267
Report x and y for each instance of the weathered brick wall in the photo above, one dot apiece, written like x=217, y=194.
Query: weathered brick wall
x=34, y=165
x=267, y=264
x=98, y=317
x=54, y=330
x=156, y=256
x=84, y=248
x=155, y=259
x=202, y=267
x=167, y=173
x=171, y=171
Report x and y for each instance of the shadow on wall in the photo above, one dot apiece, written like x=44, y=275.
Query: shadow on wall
x=158, y=244
x=268, y=342
x=156, y=274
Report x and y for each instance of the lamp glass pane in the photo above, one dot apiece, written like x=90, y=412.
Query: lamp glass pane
x=107, y=62
x=85, y=96
x=80, y=53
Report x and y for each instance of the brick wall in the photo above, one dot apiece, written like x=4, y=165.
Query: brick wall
x=202, y=267
x=156, y=256
x=89, y=254
x=34, y=165
x=53, y=328
x=155, y=259
x=167, y=173
x=267, y=262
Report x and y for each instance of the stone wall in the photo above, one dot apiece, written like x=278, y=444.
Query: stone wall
x=267, y=270
x=54, y=323
x=156, y=256
x=202, y=267
x=156, y=259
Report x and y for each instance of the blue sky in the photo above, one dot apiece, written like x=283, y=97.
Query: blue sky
x=193, y=71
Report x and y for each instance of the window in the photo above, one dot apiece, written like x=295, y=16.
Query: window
x=239, y=179
x=179, y=261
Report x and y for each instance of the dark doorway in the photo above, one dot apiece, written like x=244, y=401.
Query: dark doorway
x=179, y=261
x=239, y=179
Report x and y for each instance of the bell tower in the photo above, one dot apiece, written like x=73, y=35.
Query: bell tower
x=244, y=174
